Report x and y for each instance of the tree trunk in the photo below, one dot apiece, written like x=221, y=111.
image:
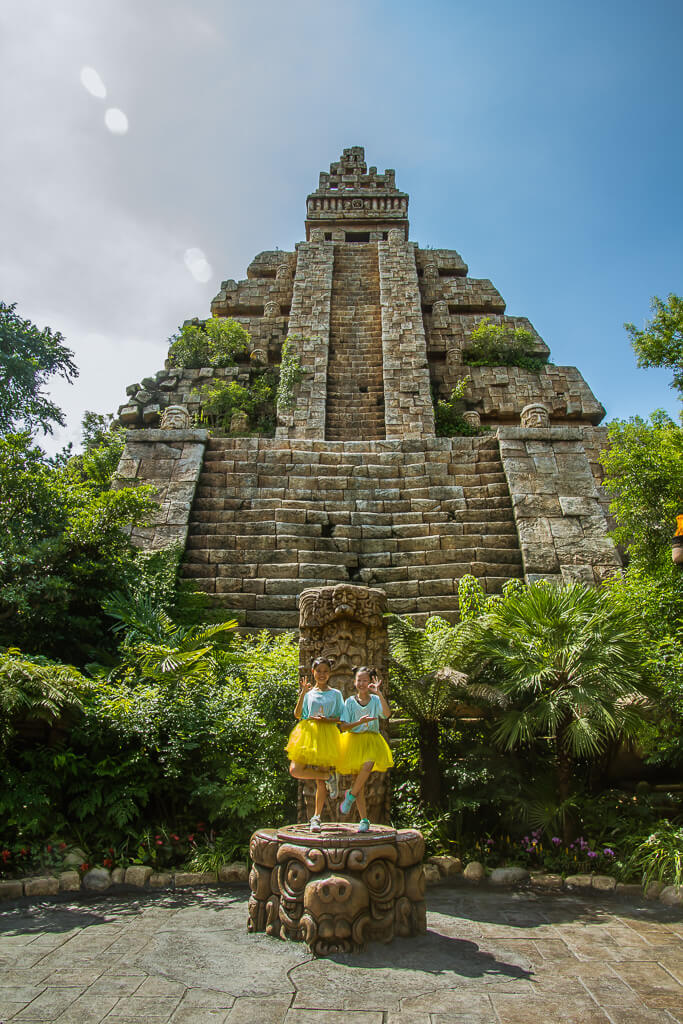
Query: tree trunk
x=564, y=783
x=430, y=779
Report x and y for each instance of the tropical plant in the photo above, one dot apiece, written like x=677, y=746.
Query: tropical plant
x=426, y=685
x=34, y=690
x=218, y=341
x=660, y=856
x=492, y=344
x=569, y=665
x=155, y=648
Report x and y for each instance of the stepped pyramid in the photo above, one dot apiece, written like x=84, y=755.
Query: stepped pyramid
x=355, y=486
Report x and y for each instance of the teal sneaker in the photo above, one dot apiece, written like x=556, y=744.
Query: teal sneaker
x=364, y=825
x=348, y=802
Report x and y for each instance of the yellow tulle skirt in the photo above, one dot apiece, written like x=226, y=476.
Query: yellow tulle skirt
x=359, y=747
x=314, y=743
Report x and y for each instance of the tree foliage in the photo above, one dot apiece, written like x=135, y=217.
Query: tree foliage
x=62, y=547
x=28, y=358
x=660, y=343
x=218, y=341
x=644, y=476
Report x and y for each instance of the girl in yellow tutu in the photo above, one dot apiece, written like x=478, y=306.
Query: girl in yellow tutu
x=313, y=745
x=363, y=748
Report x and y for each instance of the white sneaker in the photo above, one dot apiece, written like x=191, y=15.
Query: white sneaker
x=332, y=786
x=314, y=824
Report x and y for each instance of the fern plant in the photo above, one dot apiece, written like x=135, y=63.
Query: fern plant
x=30, y=691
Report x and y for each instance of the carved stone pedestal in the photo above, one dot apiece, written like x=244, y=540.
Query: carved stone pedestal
x=338, y=889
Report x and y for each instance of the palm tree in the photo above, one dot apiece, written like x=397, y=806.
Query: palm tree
x=569, y=665
x=427, y=686
x=156, y=647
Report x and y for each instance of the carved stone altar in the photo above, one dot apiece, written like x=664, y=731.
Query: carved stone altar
x=345, y=624
x=339, y=889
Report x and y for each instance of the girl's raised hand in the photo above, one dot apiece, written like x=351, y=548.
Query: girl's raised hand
x=305, y=684
x=374, y=686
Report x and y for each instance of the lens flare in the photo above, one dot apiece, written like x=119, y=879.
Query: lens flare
x=198, y=265
x=92, y=83
x=116, y=121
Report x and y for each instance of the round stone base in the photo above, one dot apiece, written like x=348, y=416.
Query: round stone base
x=339, y=888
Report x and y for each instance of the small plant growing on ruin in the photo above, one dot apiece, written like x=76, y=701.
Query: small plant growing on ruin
x=291, y=375
x=218, y=341
x=221, y=399
x=448, y=412
x=502, y=345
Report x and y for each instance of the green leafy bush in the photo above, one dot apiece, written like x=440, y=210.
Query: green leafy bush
x=492, y=344
x=659, y=857
x=448, y=420
x=221, y=399
x=218, y=341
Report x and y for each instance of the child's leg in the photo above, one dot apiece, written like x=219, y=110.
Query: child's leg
x=300, y=771
x=358, y=788
x=320, y=795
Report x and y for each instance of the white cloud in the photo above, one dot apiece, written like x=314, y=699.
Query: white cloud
x=116, y=121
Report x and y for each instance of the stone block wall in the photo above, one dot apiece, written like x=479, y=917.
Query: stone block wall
x=171, y=461
x=309, y=328
x=408, y=409
x=560, y=520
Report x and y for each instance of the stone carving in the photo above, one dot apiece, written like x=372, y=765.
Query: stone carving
x=345, y=624
x=338, y=890
x=430, y=271
x=535, y=415
x=175, y=417
x=271, y=309
x=440, y=314
x=283, y=272
x=472, y=418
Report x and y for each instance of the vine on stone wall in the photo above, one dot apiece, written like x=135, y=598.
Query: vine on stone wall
x=291, y=374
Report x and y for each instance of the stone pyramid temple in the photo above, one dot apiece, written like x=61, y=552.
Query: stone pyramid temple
x=355, y=486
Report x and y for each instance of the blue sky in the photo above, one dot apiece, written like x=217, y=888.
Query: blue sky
x=543, y=141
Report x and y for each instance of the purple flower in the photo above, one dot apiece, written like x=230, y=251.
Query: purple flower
x=608, y=852
x=556, y=840
x=592, y=853
x=489, y=842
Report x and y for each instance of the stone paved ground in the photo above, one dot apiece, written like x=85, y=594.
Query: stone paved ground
x=488, y=958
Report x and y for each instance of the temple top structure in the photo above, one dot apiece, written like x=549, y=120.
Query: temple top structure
x=352, y=201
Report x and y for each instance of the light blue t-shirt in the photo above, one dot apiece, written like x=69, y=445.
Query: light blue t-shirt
x=329, y=702
x=353, y=711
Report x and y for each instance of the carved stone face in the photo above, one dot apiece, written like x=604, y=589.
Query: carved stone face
x=345, y=641
x=175, y=417
x=535, y=415
x=431, y=271
x=271, y=309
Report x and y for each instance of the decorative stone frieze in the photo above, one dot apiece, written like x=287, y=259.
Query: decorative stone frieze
x=535, y=415
x=175, y=417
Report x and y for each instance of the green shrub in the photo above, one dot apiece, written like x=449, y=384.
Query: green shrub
x=659, y=857
x=448, y=421
x=492, y=344
x=218, y=341
x=221, y=399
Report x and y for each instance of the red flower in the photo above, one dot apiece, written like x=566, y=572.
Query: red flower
x=175, y=838
x=62, y=846
x=157, y=837
x=108, y=862
x=111, y=849
x=48, y=848
x=200, y=826
x=159, y=842
x=24, y=852
x=85, y=867
x=5, y=855
x=191, y=838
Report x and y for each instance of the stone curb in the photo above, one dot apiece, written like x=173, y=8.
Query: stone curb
x=438, y=871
